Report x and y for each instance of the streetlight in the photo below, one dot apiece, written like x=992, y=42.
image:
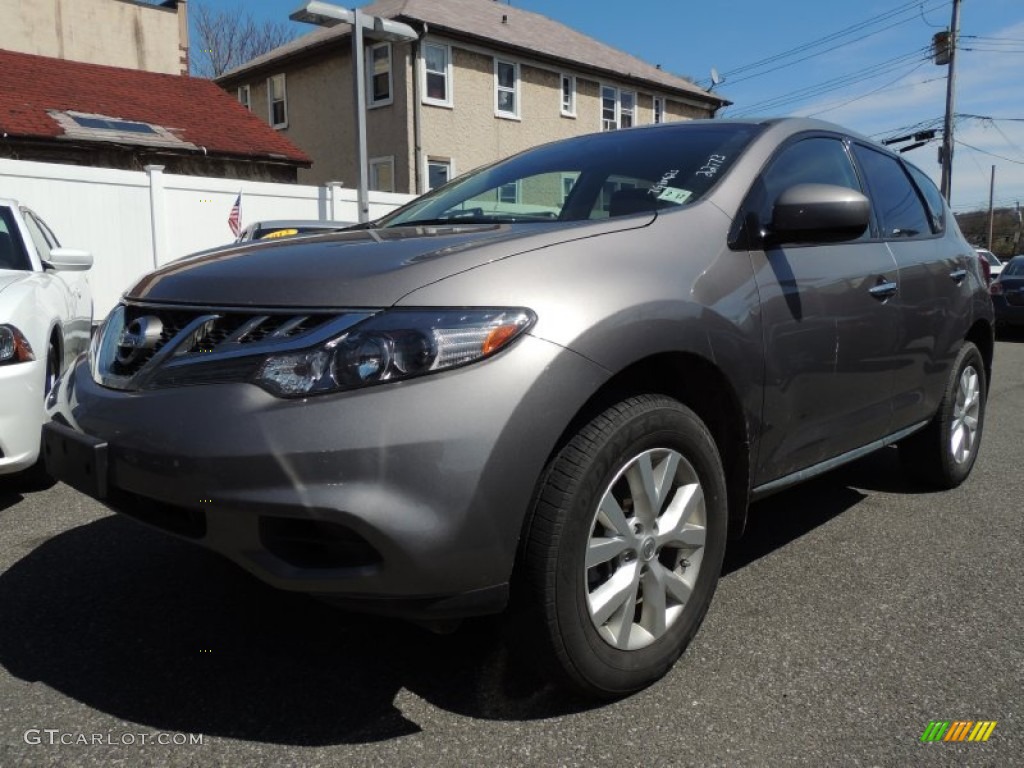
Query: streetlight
x=363, y=25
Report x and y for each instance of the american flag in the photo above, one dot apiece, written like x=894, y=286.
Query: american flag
x=235, y=217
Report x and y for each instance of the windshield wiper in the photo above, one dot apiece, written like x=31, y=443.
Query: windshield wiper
x=452, y=221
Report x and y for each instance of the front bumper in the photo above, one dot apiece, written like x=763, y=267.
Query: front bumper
x=21, y=414
x=408, y=497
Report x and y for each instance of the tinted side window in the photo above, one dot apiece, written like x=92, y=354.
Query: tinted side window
x=897, y=205
x=818, y=160
x=932, y=197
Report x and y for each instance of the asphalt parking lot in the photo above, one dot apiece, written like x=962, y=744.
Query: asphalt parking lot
x=858, y=609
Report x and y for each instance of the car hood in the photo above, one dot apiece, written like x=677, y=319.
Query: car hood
x=361, y=268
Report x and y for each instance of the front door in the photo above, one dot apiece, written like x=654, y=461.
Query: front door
x=829, y=324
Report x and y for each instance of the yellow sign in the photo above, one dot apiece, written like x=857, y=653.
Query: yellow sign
x=280, y=233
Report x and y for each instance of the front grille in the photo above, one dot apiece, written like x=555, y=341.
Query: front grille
x=237, y=328
x=145, y=346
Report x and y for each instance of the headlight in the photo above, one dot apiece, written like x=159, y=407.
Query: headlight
x=14, y=347
x=392, y=346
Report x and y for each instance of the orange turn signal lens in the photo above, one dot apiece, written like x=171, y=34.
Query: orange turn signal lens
x=497, y=338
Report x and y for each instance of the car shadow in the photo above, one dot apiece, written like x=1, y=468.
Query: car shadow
x=780, y=519
x=157, y=631
x=9, y=494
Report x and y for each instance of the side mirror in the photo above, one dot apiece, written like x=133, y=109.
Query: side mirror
x=68, y=260
x=807, y=213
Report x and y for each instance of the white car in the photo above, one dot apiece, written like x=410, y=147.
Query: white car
x=994, y=264
x=45, y=322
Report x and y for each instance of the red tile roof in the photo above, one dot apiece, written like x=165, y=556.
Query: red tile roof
x=193, y=109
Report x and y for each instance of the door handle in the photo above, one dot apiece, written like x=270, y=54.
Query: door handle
x=958, y=275
x=883, y=290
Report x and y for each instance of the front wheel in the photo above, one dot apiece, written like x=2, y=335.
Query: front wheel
x=625, y=545
x=943, y=453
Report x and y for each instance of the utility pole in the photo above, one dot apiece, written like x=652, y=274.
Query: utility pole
x=947, y=134
x=991, y=206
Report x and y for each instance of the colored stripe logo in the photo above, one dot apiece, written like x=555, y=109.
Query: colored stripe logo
x=958, y=730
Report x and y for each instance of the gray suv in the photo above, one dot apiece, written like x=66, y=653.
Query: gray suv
x=559, y=379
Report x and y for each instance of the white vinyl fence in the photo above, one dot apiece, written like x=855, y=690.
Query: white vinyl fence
x=133, y=221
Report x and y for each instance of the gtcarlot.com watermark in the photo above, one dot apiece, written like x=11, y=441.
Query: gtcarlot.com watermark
x=55, y=736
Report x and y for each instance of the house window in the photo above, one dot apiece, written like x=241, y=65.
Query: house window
x=627, y=108
x=437, y=66
x=506, y=85
x=568, y=95
x=382, y=174
x=659, y=110
x=378, y=74
x=113, y=124
x=618, y=108
x=609, y=108
x=278, y=100
x=509, y=193
x=78, y=125
x=438, y=172
x=245, y=97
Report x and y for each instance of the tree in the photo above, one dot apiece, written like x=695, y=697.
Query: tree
x=225, y=39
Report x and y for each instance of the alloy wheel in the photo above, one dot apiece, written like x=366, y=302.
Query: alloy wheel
x=966, y=413
x=645, y=549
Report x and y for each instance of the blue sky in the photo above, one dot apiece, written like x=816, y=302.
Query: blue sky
x=874, y=78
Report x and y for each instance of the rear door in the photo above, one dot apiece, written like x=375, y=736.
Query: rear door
x=935, y=285
x=830, y=339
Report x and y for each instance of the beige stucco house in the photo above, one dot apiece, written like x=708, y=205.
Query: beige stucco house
x=484, y=80
x=148, y=36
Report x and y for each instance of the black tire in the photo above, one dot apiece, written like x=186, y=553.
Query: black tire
x=935, y=455
x=565, y=523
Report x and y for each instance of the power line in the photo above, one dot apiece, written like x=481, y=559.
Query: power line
x=990, y=154
x=923, y=125
x=1007, y=138
x=880, y=89
x=834, y=84
x=815, y=55
x=1009, y=51
x=993, y=39
x=993, y=119
x=827, y=40
x=920, y=8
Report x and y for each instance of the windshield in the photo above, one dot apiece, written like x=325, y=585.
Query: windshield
x=590, y=177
